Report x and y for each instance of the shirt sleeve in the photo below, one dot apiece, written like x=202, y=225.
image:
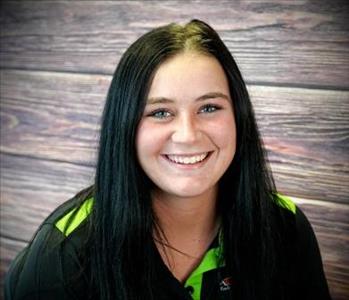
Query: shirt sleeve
x=310, y=268
x=39, y=271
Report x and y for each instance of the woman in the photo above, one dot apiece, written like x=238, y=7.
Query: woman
x=183, y=205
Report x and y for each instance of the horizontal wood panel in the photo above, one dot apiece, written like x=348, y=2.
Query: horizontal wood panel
x=56, y=116
x=279, y=42
x=52, y=115
x=306, y=133
x=32, y=188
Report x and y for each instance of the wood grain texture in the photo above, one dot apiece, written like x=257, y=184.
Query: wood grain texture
x=56, y=116
x=31, y=188
x=306, y=133
x=275, y=42
x=52, y=116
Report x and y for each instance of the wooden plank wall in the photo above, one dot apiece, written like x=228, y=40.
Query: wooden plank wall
x=57, y=58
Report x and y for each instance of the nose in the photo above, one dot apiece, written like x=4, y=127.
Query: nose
x=186, y=130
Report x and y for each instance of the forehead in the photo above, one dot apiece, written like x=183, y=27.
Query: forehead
x=189, y=74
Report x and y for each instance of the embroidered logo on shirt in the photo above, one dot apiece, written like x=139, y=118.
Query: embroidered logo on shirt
x=225, y=284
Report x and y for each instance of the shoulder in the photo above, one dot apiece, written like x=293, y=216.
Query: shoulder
x=289, y=210
x=292, y=219
x=301, y=255
x=301, y=225
x=41, y=269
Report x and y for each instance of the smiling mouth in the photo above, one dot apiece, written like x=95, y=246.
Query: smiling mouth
x=188, y=159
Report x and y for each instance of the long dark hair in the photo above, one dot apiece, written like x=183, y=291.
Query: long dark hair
x=122, y=220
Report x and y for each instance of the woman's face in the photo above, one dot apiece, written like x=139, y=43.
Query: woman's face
x=186, y=139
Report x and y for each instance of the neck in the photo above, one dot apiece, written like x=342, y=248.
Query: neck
x=187, y=228
x=184, y=220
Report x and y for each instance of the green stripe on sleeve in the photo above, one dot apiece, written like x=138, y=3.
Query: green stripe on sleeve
x=286, y=202
x=80, y=216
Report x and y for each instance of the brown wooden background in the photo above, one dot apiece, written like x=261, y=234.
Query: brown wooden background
x=56, y=63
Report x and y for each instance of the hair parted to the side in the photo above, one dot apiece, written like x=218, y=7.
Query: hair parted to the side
x=122, y=222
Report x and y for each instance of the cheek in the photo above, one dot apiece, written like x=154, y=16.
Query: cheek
x=149, y=140
x=223, y=132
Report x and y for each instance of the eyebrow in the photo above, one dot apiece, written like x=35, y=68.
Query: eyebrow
x=211, y=95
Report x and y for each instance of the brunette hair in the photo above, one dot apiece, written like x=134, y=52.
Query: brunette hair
x=122, y=221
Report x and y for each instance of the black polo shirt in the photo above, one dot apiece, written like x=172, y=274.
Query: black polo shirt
x=37, y=273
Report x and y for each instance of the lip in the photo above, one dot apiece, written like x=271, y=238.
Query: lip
x=188, y=154
x=188, y=166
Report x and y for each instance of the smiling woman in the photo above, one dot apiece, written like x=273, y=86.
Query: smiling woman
x=194, y=128
x=184, y=205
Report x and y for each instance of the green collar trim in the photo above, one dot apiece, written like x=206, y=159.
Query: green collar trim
x=212, y=260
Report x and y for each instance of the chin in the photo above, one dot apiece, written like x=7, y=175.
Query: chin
x=188, y=191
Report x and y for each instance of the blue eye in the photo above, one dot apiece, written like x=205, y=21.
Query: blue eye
x=209, y=108
x=160, y=114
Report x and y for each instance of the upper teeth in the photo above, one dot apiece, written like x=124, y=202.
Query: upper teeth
x=187, y=159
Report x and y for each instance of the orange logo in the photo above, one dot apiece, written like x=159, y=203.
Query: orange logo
x=226, y=284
